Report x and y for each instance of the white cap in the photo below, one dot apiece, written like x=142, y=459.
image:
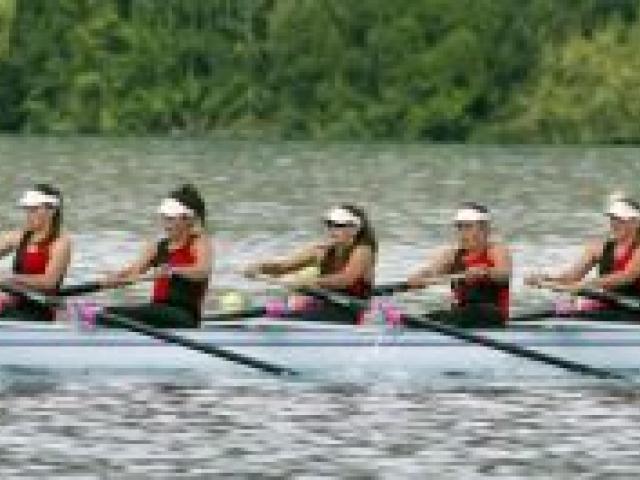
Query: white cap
x=623, y=209
x=471, y=213
x=342, y=216
x=35, y=198
x=615, y=196
x=170, y=207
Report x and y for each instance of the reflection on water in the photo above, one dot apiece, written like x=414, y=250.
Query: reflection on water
x=264, y=199
x=276, y=430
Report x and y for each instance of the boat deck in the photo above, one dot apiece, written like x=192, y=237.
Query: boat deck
x=341, y=351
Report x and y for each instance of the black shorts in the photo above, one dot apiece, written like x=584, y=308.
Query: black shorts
x=154, y=315
x=471, y=316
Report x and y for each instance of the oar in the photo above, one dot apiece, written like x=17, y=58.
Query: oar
x=625, y=303
x=403, y=286
x=554, y=314
x=470, y=337
x=386, y=289
x=159, y=334
x=96, y=286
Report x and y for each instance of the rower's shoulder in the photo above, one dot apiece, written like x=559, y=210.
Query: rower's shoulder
x=203, y=239
x=12, y=237
x=64, y=240
x=499, y=247
x=595, y=244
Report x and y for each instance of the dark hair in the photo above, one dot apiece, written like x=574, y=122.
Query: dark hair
x=189, y=196
x=366, y=234
x=475, y=206
x=631, y=202
x=56, y=221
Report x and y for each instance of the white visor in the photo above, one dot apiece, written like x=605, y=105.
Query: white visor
x=468, y=214
x=342, y=216
x=170, y=207
x=35, y=198
x=616, y=196
x=623, y=209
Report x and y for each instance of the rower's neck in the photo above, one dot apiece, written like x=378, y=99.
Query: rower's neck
x=478, y=248
x=180, y=239
x=40, y=234
x=626, y=241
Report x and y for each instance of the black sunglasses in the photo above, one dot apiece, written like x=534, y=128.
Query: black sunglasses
x=332, y=224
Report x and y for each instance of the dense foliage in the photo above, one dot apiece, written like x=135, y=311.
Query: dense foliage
x=439, y=70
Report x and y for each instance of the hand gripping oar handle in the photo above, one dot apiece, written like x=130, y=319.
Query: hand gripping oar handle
x=403, y=286
x=96, y=286
x=159, y=334
x=470, y=337
x=390, y=288
x=628, y=304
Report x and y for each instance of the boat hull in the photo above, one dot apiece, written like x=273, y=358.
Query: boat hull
x=334, y=353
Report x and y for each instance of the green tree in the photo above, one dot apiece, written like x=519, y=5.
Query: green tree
x=586, y=90
x=7, y=13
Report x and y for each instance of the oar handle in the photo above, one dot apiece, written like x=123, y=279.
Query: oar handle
x=79, y=289
x=390, y=288
x=403, y=286
x=629, y=304
x=96, y=286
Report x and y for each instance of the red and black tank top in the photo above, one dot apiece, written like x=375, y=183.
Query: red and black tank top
x=33, y=259
x=176, y=290
x=331, y=262
x=481, y=291
x=614, y=260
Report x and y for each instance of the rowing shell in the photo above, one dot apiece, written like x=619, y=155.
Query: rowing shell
x=328, y=351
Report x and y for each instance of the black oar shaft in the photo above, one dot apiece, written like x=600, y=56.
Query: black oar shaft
x=236, y=315
x=79, y=289
x=511, y=348
x=390, y=289
x=159, y=334
x=207, y=348
x=467, y=336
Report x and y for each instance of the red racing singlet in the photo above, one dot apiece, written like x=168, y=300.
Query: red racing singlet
x=482, y=291
x=616, y=260
x=33, y=259
x=175, y=290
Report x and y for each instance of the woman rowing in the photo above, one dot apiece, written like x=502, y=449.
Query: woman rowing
x=42, y=252
x=183, y=258
x=479, y=270
x=345, y=261
x=616, y=258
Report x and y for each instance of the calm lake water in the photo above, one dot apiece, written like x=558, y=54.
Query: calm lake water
x=264, y=199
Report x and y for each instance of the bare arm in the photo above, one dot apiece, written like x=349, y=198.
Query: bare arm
x=204, y=256
x=9, y=241
x=132, y=271
x=60, y=257
x=437, y=264
x=300, y=259
x=581, y=268
x=360, y=265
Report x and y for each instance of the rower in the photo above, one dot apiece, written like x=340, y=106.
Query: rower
x=42, y=252
x=481, y=267
x=183, y=258
x=345, y=260
x=616, y=259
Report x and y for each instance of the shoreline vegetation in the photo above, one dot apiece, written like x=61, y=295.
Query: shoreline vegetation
x=477, y=71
